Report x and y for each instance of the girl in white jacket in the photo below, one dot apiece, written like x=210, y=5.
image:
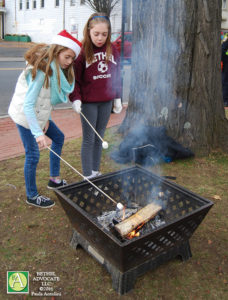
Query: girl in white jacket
x=46, y=81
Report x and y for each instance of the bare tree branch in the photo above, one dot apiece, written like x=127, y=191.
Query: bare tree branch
x=105, y=6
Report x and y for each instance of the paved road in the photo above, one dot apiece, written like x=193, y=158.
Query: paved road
x=12, y=52
x=11, y=65
x=9, y=72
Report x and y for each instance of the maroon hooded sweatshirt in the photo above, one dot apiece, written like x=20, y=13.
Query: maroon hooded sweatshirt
x=97, y=82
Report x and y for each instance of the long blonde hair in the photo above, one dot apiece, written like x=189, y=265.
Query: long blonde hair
x=40, y=57
x=87, y=42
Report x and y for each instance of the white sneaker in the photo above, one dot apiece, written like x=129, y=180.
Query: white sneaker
x=90, y=176
x=96, y=173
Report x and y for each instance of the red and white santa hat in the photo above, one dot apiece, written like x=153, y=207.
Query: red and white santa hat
x=65, y=39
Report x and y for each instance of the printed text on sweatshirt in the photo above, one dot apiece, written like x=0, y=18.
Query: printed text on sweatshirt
x=98, y=81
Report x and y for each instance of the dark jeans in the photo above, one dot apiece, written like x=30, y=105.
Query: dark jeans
x=225, y=88
x=225, y=93
x=32, y=155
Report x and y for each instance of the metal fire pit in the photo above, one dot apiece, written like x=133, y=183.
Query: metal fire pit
x=125, y=260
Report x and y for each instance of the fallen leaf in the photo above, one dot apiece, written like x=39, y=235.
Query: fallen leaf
x=209, y=242
x=220, y=270
x=217, y=197
x=11, y=185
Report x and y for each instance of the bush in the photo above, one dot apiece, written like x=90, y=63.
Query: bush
x=17, y=37
x=11, y=37
x=24, y=38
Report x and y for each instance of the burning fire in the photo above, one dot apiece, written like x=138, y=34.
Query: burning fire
x=135, y=232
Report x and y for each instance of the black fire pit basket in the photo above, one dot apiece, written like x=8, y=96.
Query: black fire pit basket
x=82, y=203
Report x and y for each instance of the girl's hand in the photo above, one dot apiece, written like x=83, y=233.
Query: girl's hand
x=41, y=141
x=77, y=106
x=117, y=108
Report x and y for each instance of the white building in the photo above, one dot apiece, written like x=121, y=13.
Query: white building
x=2, y=17
x=41, y=19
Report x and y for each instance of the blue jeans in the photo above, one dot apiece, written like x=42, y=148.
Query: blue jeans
x=32, y=155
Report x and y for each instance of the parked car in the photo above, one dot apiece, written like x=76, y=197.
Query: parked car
x=116, y=39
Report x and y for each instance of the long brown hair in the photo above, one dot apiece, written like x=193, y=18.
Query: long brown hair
x=87, y=42
x=40, y=57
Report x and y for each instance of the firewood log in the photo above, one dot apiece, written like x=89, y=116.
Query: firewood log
x=143, y=215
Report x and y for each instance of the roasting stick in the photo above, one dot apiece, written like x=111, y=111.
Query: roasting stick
x=104, y=143
x=119, y=205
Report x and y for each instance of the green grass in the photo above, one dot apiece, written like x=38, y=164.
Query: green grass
x=38, y=240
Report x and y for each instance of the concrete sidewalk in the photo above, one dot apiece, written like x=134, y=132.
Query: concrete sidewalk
x=66, y=119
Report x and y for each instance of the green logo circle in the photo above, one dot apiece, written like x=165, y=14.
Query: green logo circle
x=17, y=281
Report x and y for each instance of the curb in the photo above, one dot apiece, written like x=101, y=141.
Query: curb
x=8, y=44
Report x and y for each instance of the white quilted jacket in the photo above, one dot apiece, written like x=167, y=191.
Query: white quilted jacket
x=42, y=108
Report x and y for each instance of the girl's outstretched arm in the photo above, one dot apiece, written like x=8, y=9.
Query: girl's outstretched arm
x=34, y=87
x=79, y=66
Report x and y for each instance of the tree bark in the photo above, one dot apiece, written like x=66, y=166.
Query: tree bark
x=176, y=73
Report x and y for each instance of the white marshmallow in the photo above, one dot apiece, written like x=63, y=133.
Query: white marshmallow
x=120, y=206
x=105, y=145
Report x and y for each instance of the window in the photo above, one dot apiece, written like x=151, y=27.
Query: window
x=56, y=3
x=72, y=2
x=74, y=28
x=34, y=3
x=20, y=5
x=42, y=3
x=224, y=4
x=27, y=4
x=2, y=3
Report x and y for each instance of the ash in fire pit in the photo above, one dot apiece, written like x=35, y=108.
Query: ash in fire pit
x=109, y=219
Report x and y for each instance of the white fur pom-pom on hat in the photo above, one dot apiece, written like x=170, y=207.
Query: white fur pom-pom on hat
x=65, y=39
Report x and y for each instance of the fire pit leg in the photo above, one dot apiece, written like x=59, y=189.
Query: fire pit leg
x=185, y=251
x=74, y=243
x=122, y=283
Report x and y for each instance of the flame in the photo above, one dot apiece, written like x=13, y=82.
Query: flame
x=135, y=232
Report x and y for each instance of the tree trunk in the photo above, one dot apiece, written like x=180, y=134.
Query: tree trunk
x=176, y=73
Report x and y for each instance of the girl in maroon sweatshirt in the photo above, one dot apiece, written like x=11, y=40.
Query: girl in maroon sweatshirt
x=97, y=86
